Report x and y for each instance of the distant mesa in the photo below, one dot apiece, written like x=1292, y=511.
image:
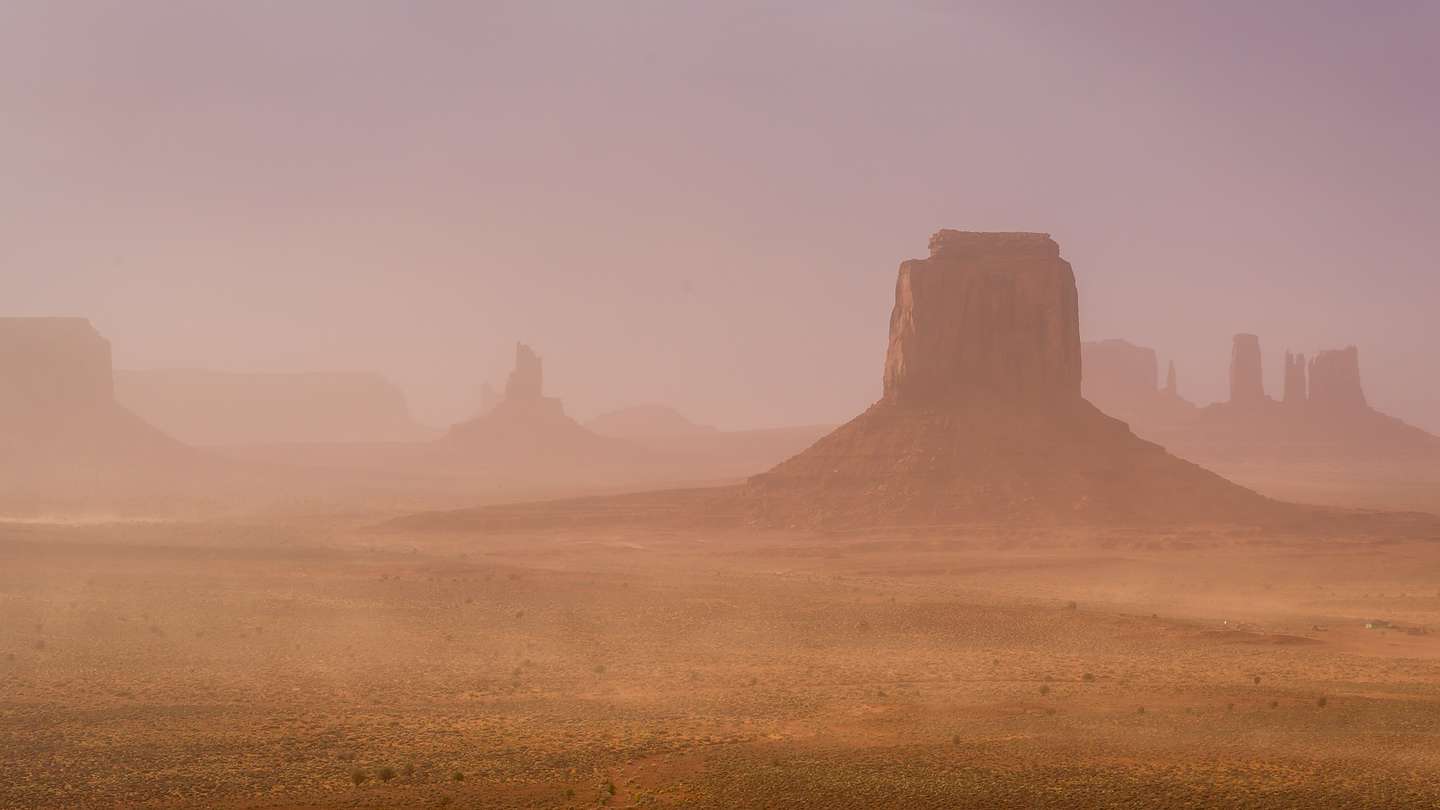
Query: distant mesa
x=1323, y=415
x=647, y=423
x=701, y=452
x=205, y=407
x=60, y=426
x=982, y=416
x=1122, y=379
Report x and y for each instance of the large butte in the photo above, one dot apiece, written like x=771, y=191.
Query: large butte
x=982, y=417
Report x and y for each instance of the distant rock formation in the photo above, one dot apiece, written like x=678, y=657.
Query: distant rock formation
x=1120, y=379
x=489, y=398
x=527, y=436
x=1322, y=417
x=982, y=416
x=1247, y=381
x=236, y=408
x=61, y=429
x=1296, y=391
x=527, y=381
x=1335, y=382
x=54, y=369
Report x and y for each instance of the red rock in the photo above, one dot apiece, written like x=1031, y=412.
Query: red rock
x=986, y=315
x=982, y=417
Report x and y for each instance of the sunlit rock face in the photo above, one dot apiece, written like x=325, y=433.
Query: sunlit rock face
x=987, y=315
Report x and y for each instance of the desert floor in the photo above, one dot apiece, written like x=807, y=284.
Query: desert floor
x=320, y=663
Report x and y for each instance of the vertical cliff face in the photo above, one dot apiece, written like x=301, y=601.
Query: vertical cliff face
x=986, y=316
x=1335, y=381
x=1296, y=390
x=982, y=416
x=1247, y=385
x=52, y=370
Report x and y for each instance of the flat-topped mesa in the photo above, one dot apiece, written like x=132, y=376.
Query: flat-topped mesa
x=526, y=382
x=1119, y=368
x=51, y=368
x=992, y=316
x=1335, y=381
x=1296, y=392
x=1247, y=385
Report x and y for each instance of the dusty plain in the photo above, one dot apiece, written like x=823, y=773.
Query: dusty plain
x=318, y=663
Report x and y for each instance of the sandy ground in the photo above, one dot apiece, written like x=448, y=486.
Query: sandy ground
x=317, y=663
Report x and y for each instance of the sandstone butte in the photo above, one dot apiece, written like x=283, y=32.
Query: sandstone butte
x=982, y=417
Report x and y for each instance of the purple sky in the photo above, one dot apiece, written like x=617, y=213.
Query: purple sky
x=704, y=204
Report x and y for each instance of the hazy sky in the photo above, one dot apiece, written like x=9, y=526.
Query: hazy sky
x=704, y=204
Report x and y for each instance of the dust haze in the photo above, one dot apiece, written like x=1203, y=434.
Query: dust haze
x=823, y=405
